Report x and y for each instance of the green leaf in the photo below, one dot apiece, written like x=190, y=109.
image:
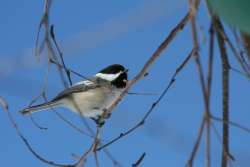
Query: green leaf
x=234, y=12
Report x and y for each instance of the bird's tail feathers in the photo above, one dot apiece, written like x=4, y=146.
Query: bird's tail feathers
x=39, y=107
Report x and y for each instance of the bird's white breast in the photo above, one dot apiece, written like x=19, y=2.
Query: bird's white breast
x=92, y=102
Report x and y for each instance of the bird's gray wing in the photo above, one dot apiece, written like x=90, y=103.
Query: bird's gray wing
x=93, y=83
x=75, y=89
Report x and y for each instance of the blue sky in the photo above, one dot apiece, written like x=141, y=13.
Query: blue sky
x=92, y=35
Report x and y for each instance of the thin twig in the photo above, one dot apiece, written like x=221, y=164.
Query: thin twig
x=90, y=150
x=239, y=72
x=138, y=162
x=197, y=143
x=43, y=89
x=238, y=57
x=96, y=153
x=108, y=154
x=209, y=87
x=4, y=104
x=44, y=22
x=225, y=89
x=217, y=134
x=71, y=124
x=242, y=47
x=114, y=161
x=26, y=142
x=36, y=124
x=70, y=70
x=235, y=124
x=193, y=5
x=52, y=34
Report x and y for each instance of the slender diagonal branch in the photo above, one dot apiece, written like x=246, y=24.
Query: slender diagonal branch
x=138, y=162
x=225, y=90
x=197, y=143
x=52, y=34
x=26, y=142
x=230, y=123
x=193, y=4
x=45, y=23
x=209, y=87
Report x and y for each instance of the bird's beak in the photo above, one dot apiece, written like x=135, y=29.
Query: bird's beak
x=126, y=70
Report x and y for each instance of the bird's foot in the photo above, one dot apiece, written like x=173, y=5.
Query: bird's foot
x=99, y=121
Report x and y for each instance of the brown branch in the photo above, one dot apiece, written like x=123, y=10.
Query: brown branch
x=210, y=62
x=193, y=4
x=239, y=72
x=225, y=89
x=26, y=142
x=96, y=153
x=70, y=70
x=44, y=23
x=242, y=46
x=4, y=104
x=209, y=87
x=114, y=161
x=43, y=89
x=241, y=60
x=197, y=143
x=93, y=148
x=142, y=121
x=235, y=124
x=105, y=150
x=52, y=34
x=217, y=134
x=36, y=124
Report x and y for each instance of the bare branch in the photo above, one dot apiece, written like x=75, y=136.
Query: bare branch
x=197, y=143
x=3, y=104
x=44, y=22
x=209, y=87
x=93, y=148
x=27, y=144
x=225, y=89
x=193, y=4
x=138, y=162
x=241, y=60
x=235, y=124
x=217, y=134
x=52, y=34
x=36, y=124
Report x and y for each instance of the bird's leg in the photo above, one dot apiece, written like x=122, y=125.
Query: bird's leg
x=99, y=121
x=107, y=115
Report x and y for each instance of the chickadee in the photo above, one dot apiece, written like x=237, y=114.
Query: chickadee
x=90, y=97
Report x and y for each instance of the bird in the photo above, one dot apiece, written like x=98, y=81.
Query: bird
x=90, y=97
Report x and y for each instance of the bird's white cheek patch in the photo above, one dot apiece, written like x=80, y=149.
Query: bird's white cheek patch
x=109, y=77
